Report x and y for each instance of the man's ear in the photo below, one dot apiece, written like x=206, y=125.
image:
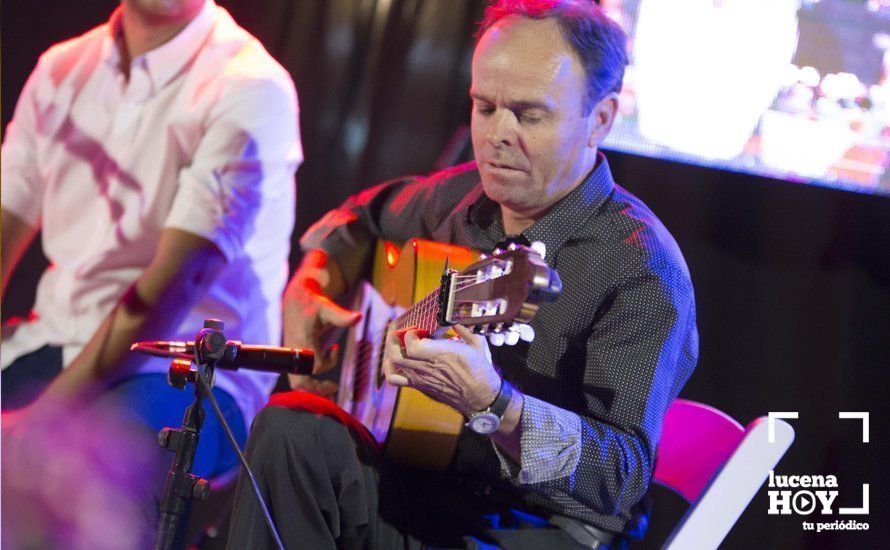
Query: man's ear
x=602, y=117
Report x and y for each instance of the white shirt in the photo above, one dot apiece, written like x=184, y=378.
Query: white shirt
x=203, y=137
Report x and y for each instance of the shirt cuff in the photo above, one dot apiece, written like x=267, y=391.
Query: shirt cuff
x=550, y=445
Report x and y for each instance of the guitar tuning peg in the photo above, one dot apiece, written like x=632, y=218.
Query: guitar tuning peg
x=540, y=248
x=512, y=337
x=512, y=246
x=483, y=256
x=526, y=332
x=497, y=339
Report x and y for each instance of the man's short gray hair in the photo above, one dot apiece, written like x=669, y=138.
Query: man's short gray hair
x=599, y=42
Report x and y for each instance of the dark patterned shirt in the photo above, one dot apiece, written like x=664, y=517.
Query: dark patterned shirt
x=608, y=356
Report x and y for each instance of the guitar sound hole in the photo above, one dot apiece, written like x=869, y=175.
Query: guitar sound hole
x=380, y=378
x=363, y=370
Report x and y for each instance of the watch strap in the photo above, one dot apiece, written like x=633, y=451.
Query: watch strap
x=502, y=401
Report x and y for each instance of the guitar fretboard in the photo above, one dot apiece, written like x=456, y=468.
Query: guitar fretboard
x=423, y=315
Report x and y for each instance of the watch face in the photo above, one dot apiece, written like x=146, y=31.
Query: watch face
x=484, y=423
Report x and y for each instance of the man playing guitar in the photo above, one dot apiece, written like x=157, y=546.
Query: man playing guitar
x=577, y=413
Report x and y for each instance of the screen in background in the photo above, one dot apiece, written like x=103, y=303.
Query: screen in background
x=792, y=89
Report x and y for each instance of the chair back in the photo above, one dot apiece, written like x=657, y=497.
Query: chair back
x=716, y=465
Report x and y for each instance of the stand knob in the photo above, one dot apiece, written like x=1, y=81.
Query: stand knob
x=214, y=324
x=201, y=489
x=164, y=437
x=180, y=373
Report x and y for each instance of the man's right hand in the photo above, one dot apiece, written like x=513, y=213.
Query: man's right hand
x=310, y=318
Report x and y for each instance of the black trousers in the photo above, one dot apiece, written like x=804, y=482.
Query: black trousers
x=326, y=486
x=28, y=376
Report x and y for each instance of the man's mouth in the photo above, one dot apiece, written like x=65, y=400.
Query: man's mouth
x=501, y=166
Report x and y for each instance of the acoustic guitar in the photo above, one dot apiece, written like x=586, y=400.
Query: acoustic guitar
x=432, y=286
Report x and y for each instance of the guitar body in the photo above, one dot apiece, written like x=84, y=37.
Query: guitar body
x=412, y=428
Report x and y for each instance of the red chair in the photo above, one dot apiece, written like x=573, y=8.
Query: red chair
x=716, y=465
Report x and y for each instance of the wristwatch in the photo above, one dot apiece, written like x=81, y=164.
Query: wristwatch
x=488, y=421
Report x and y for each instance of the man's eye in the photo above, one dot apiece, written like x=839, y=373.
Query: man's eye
x=485, y=110
x=530, y=119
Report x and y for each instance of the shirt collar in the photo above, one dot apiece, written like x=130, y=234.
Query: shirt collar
x=168, y=59
x=566, y=216
x=110, y=51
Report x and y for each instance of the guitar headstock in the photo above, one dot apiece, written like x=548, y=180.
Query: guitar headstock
x=500, y=293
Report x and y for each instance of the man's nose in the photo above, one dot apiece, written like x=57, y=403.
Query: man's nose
x=502, y=130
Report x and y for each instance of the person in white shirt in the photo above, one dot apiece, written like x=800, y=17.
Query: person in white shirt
x=156, y=153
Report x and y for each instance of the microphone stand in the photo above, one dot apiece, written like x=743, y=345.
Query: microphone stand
x=181, y=486
x=210, y=351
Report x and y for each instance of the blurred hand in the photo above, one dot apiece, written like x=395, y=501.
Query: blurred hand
x=11, y=425
x=76, y=471
x=310, y=318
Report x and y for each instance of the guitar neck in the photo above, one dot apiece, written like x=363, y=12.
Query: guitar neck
x=423, y=315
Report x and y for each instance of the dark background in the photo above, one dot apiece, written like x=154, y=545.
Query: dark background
x=792, y=281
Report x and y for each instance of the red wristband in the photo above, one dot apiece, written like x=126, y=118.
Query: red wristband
x=133, y=302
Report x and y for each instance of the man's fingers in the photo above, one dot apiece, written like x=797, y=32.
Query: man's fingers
x=399, y=345
x=294, y=329
x=393, y=377
x=427, y=349
x=418, y=345
x=397, y=380
x=312, y=385
x=331, y=313
x=326, y=388
x=396, y=344
x=326, y=360
x=468, y=336
x=396, y=358
x=394, y=340
x=409, y=364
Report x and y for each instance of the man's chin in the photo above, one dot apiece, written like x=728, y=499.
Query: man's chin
x=160, y=11
x=507, y=197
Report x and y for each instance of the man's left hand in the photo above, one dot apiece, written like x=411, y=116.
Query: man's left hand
x=457, y=372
